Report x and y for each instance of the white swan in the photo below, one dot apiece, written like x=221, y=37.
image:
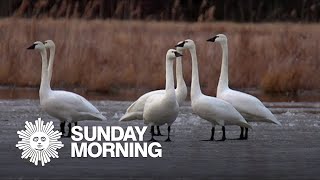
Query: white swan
x=63, y=105
x=160, y=108
x=214, y=110
x=249, y=106
x=135, y=110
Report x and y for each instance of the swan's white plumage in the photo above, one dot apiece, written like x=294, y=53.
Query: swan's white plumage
x=66, y=106
x=135, y=110
x=161, y=109
x=249, y=106
x=71, y=107
x=214, y=110
x=217, y=111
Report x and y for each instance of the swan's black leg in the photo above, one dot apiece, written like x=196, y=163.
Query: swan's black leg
x=223, y=134
x=168, y=139
x=241, y=134
x=62, y=124
x=212, y=135
x=75, y=123
x=152, y=134
x=69, y=133
x=159, y=133
x=246, y=134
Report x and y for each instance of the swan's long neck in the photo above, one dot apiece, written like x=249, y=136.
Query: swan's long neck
x=45, y=84
x=51, y=60
x=195, y=85
x=179, y=74
x=223, y=80
x=169, y=78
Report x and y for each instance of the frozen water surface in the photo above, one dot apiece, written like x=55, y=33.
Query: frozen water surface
x=291, y=151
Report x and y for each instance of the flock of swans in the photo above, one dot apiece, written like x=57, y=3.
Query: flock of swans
x=160, y=107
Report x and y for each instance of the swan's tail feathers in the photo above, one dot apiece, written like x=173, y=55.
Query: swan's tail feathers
x=101, y=117
x=245, y=124
x=275, y=121
x=132, y=116
x=94, y=116
x=272, y=119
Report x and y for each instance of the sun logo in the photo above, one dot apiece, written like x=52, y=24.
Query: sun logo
x=39, y=142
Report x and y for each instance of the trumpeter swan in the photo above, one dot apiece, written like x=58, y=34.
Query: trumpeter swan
x=63, y=105
x=135, y=110
x=214, y=110
x=249, y=106
x=160, y=108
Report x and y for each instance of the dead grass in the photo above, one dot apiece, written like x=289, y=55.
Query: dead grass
x=113, y=56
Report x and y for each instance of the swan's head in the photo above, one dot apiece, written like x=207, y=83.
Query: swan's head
x=49, y=44
x=37, y=45
x=221, y=38
x=172, y=54
x=186, y=44
x=180, y=48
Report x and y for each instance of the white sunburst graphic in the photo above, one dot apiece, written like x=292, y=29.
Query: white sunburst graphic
x=39, y=142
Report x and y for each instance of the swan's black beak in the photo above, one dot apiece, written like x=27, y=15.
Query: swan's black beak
x=180, y=44
x=32, y=46
x=177, y=54
x=212, y=39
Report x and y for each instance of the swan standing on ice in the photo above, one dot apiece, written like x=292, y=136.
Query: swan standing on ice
x=163, y=108
x=214, y=110
x=249, y=106
x=135, y=110
x=63, y=105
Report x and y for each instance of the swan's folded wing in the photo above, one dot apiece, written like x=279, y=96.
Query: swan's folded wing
x=73, y=101
x=132, y=106
x=138, y=105
x=247, y=105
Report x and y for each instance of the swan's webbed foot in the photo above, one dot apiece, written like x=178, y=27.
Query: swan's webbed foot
x=67, y=136
x=212, y=135
x=240, y=138
x=152, y=140
x=168, y=140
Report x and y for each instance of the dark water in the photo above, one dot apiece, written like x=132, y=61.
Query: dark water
x=272, y=152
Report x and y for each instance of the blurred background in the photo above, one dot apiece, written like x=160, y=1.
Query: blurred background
x=115, y=49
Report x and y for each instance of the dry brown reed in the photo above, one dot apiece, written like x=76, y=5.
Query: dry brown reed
x=124, y=56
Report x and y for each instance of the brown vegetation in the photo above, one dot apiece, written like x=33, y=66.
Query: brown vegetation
x=129, y=56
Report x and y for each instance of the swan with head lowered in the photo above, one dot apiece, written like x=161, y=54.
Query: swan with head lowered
x=63, y=105
x=249, y=106
x=135, y=110
x=163, y=108
x=214, y=110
